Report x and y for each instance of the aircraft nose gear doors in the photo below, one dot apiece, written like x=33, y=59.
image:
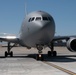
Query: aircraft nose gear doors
x=39, y=55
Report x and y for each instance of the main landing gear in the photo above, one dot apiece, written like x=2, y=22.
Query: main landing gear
x=52, y=52
x=39, y=55
x=9, y=52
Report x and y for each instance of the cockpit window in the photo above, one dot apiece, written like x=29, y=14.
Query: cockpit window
x=49, y=18
x=38, y=18
x=45, y=18
x=31, y=19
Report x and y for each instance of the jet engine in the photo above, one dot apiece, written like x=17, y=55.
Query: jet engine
x=71, y=44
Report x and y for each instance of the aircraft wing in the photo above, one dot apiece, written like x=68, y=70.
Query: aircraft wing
x=63, y=37
x=9, y=38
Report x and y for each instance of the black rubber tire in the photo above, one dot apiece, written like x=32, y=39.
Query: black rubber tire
x=49, y=53
x=54, y=53
x=6, y=54
x=42, y=57
x=11, y=54
x=37, y=57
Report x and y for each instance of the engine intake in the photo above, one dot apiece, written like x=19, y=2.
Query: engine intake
x=71, y=44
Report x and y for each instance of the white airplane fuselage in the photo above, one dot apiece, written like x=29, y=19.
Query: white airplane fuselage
x=37, y=28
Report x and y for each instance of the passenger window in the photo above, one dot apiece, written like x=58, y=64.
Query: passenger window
x=38, y=18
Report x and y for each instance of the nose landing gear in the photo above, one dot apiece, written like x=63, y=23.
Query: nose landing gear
x=39, y=55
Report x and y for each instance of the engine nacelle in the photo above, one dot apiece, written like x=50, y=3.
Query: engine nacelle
x=71, y=44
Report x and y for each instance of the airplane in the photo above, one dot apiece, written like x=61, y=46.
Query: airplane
x=38, y=30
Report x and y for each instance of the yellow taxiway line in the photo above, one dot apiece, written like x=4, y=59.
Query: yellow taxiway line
x=60, y=68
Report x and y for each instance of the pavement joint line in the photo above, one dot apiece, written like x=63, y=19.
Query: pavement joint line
x=60, y=68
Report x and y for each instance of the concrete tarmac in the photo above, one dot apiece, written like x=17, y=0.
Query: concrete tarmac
x=24, y=63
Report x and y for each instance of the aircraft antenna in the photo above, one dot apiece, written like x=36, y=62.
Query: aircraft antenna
x=26, y=10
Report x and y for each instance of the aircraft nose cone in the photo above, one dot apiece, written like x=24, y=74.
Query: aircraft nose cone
x=40, y=26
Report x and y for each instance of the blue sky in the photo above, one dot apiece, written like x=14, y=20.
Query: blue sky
x=12, y=13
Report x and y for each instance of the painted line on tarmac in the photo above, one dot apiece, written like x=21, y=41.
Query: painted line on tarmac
x=60, y=68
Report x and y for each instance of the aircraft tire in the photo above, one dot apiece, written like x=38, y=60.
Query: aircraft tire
x=54, y=53
x=49, y=53
x=37, y=57
x=11, y=54
x=6, y=53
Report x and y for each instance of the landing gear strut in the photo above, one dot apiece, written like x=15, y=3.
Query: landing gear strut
x=52, y=52
x=8, y=52
x=39, y=55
